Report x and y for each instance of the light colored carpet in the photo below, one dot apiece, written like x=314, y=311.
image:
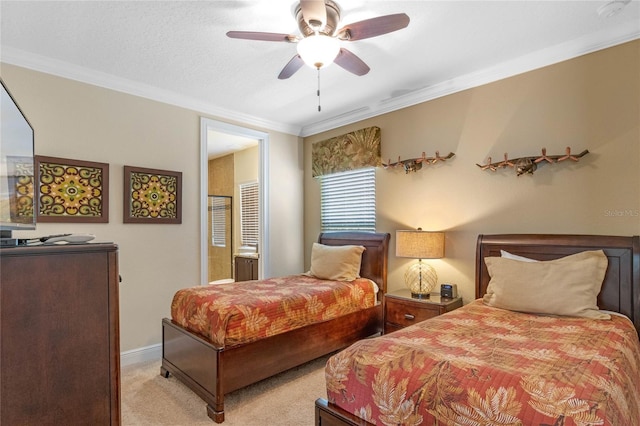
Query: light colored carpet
x=285, y=399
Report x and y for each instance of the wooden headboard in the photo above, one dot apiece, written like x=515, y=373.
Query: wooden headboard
x=374, y=258
x=621, y=287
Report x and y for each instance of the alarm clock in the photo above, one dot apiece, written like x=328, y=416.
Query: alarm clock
x=449, y=291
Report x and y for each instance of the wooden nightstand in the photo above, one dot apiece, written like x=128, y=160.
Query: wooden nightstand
x=401, y=310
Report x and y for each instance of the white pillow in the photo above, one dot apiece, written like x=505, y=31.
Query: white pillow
x=567, y=286
x=339, y=263
x=508, y=255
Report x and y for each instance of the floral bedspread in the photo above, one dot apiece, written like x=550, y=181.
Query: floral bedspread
x=236, y=313
x=480, y=365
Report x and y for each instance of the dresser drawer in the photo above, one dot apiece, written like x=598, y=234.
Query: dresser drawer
x=402, y=310
x=404, y=314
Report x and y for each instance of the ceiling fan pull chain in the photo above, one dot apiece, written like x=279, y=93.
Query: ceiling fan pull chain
x=318, y=92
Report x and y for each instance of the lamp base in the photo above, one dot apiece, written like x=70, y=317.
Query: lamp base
x=420, y=278
x=420, y=295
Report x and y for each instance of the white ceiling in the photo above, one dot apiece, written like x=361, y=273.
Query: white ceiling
x=221, y=143
x=177, y=52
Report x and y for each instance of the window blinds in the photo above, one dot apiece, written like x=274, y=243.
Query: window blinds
x=218, y=207
x=249, y=214
x=348, y=201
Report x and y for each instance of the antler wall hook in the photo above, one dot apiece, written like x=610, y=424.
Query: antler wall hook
x=528, y=165
x=415, y=164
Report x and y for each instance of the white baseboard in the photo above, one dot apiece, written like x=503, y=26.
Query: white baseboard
x=135, y=356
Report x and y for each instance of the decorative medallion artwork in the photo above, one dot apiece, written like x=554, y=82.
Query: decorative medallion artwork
x=152, y=196
x=72, y=190
x=352, y=151
x=21, y=177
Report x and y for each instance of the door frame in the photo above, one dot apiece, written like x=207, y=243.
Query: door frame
x=207, y=124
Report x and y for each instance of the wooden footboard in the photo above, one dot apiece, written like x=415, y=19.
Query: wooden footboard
x=196, y=363
x=211, y=372
x=330, y=415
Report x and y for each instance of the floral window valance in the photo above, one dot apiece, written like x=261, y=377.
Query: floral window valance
x=355, y=150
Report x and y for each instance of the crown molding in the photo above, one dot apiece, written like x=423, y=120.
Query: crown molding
x=63, y=69
x=525, y=63
x=549, y=56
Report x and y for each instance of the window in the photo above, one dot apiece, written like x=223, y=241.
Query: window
x=249, y=214
x=219, y=208
x=348, y=200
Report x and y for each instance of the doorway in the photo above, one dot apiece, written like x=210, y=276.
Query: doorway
x=210, y=132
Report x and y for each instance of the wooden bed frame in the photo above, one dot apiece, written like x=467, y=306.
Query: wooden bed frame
x=620, y=289
x=211, y=371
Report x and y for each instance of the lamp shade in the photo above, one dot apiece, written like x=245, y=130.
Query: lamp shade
x=318, y=50
x=418, y=244
x=420, y=278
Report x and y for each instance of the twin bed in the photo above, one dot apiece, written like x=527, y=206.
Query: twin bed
x=485, y=363
x=212, y=365
x=488, y=363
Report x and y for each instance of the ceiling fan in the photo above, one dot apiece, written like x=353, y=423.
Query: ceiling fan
x=318, y=44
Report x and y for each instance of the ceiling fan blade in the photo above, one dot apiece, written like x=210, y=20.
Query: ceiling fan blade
x=351, y=62
x=292, y=66
x=253, y=35
x=374, y=27
x=314, y=13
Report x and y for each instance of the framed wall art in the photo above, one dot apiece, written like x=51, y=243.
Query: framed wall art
x=72, y=190
x=152, y=196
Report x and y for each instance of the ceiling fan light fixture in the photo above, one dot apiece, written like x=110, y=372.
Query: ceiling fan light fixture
x=319, y=50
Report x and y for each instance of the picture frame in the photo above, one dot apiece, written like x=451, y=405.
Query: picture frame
x=152, y=196
x=71, y=191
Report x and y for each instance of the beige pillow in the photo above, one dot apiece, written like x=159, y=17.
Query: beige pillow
x=339, y=263
x=567, y=286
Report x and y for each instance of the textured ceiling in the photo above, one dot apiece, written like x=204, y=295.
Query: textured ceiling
x=177, y=52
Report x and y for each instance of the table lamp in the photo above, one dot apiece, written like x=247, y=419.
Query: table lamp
x=420, y=277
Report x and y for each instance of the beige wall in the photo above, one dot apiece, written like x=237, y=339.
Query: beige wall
x=591, y=102
x=80, y=121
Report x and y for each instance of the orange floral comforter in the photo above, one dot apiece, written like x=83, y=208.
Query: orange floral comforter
x=480, y=365
x=236, y=313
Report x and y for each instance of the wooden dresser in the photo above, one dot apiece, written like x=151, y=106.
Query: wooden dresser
x=59, y=335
